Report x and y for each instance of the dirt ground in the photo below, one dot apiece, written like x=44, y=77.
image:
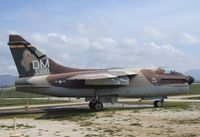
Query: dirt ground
x=149, y=122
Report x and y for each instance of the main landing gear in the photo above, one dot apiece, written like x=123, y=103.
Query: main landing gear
x=96, y=102
x=96, y=105
x=158, y=103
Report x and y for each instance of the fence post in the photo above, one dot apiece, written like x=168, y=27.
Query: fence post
x=14, y=129
x=1, y=96
x=27, y=105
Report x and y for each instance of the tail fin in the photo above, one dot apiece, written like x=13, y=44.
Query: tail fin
x=30, y=61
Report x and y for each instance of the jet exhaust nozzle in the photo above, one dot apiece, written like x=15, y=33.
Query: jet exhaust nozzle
x=190, y=80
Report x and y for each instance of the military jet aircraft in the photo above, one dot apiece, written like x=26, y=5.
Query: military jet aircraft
x=40, y=74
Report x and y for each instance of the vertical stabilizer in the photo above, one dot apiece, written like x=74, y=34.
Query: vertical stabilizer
x=31, y=62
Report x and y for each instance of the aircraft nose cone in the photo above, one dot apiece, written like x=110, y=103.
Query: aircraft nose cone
x=190, y=80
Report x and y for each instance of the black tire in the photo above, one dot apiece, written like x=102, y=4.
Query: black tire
x=158, y=103
x=98, y=106
x=91, y=105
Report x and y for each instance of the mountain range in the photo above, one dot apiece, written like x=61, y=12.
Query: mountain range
x=9, y=80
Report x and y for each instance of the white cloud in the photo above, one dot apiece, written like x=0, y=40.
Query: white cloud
x=130, y=41
x=109, y=52
x=103, y=44
x=65, y=56
x=151, y=33
x=190, y=39
x=13, y=32
x=81, y=28
x=69, y=42
x=1, y=43
x=39, y=37
x=61, y=36
x=11, y=68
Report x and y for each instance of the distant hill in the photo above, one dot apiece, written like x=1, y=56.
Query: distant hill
x=195, y=73
x=7, y=80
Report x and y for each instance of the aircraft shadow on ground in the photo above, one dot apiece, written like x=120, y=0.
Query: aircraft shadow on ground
x=62, y=113
x=66, y=113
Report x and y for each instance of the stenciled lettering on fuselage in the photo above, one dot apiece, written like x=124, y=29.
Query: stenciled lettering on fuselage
x=41, y=67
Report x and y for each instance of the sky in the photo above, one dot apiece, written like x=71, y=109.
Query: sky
x=105, y=33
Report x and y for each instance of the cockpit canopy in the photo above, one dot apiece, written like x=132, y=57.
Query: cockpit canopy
x=168, y=70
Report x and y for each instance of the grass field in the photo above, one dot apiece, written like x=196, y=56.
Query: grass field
x=16, y=94
x=7, y=99
x=23, y=102
x=195, y=89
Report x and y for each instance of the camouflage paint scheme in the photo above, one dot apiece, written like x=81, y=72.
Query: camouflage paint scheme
x=40, y=74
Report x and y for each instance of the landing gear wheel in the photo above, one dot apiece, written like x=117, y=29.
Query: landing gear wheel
x=158, y=103
x=98, y=106
x=91, y=105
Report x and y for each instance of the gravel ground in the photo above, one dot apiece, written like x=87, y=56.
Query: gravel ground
x=135, y=122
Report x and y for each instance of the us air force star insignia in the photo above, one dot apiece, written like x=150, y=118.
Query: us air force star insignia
x=60, y=82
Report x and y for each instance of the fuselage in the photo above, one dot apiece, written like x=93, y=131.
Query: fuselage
x=158, y=82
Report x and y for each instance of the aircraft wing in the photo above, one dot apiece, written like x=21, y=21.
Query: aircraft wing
x=92, y=76
x=109, y=77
